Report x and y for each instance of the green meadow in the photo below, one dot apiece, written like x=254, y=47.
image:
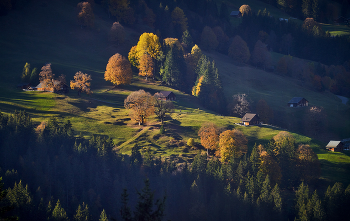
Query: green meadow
x=29, y=38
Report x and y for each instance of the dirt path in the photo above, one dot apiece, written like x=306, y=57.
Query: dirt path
x=144, y=130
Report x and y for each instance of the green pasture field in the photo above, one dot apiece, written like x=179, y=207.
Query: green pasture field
x=335, y=30
x=35, y=36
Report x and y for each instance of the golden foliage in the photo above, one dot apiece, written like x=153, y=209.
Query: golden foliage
x=209, y=134
x=146, y=67
x=140, y=104
x=245, y=10
x=148, y=43
x=239, y=50
x=232, y=143
x=132, y=56
x=81, y=83
x=284, y=143
x=308, y=163
x=196, y=53
x=46, y=77
x=86, y=15
x=197, y=88
x=118, y=70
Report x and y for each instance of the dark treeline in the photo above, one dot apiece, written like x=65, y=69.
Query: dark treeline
x=51, y=174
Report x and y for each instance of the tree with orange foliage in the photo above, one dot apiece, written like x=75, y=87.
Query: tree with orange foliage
x=309, y=24
x=245, y=10
x=146, y=66
x=308, y=163
x=209, y=134
x=140, y=104
x=81, y=83
x=232, y=143
x=46, y=77
x=269, y=166
x=86, y=15
x=118, y=70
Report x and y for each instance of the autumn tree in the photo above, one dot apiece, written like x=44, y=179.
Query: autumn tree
x=81, y=83
x=148, y=43
x=308, y=163
x=232, y=143
x=209, y=134
x=46, y=77
x=269, y=166
x=245, y=10
x=309, y=24
x=240, y=105
x=162, y=108
x=208, y=39
x=117, y=33
x=179, y=20
x=239, y=50
x=122, y=11
x=86, y=16
x=264, y=111
x=118, y=70
x=147, y=66
x=140, y=105
x=261, y=56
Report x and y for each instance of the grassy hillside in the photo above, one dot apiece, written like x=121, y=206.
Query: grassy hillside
x=45, y=33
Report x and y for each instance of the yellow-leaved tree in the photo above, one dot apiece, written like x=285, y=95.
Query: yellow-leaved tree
x=232, y=143
x=81, y=83
x=148, y=43
x=209, y=134
x=118, y=70
x=146, y=67
x=140, y=104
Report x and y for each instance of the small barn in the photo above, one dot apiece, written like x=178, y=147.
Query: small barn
x=298, y=102
x=236, y=14
x=335, y=146
x=63, y=88
x=250, y=119
x=166, y=96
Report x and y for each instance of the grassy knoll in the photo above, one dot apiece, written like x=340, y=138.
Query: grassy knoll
x=335, y=30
